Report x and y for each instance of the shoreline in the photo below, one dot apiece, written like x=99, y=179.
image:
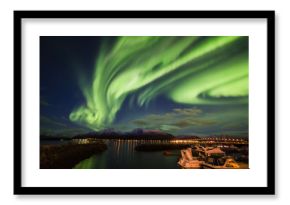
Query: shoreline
x=66, y=156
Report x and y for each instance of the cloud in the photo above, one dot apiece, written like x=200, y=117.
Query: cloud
x=187, y=111
x=49, y=122
x=235, y=126
x=70, y=131
x=174, y=114
x=43, y=101
x=177, y=119
x=230, y=120
x=190, y=122
x=59, y=126
x=140, y=122
x=168, y=128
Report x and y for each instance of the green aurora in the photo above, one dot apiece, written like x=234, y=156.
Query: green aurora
x=187, y=70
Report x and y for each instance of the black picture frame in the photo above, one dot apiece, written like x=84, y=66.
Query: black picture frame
x=268, y=190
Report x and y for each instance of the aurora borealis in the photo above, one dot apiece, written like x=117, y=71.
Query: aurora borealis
x=182, y=85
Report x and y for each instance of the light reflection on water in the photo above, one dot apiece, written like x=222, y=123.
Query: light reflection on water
x=121, y=154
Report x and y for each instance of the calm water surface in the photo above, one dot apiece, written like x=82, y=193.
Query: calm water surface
x=122, y=155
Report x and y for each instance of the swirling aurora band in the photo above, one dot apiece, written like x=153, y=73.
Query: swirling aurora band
x=188, y=70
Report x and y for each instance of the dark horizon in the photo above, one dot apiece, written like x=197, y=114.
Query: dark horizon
x=135, y=134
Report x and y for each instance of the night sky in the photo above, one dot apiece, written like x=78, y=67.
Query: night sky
x=180, y=85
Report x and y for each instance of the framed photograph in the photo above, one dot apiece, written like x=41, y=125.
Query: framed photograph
x=144, y=102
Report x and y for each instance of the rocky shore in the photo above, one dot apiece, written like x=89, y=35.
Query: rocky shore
x=67, y=155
